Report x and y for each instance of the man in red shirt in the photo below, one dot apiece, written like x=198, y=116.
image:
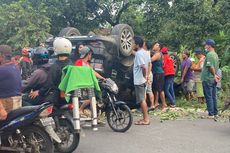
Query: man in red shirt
x=85, y=57
x=169, y=72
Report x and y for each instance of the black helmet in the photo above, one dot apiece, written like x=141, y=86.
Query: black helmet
x=40, y=56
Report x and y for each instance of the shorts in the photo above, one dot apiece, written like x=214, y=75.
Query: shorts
x=140, y=91
x=188, y=86
x=158, y=82
x=11, y=103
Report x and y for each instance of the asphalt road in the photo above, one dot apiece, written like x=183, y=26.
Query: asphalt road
x=181, y=136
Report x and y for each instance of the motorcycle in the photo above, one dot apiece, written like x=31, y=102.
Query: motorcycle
x=28, y=129
x=118, y=114
x=63, y=128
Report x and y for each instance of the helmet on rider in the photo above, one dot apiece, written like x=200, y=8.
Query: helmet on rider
x=40, y=56
x=62, y=46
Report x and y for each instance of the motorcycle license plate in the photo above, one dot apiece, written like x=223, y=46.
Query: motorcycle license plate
x=47, y=121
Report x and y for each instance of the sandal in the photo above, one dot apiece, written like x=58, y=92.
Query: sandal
x=142, y=122
x=156, y=106
x=151, y=109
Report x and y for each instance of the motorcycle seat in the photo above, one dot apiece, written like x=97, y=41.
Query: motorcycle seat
x=21, y=111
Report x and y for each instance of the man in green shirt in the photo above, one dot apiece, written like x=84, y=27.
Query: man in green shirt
x=209, y=77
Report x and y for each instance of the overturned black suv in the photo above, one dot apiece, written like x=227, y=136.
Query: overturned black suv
x=112, y=55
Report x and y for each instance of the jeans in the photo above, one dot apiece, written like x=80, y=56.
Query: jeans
x=169, y=90
x=210, y=96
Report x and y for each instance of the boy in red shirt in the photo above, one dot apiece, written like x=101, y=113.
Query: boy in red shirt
x=85, y=57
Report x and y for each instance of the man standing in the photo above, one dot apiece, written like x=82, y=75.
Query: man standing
x=209, y=77
x=169, y=73
x=158, y=75
x=140, y=75
x=10, y=83
x=197, y=68
x=187, y=77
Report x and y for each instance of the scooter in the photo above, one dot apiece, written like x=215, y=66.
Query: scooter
x=118, y=114
x=63, y=128
x=29, y=129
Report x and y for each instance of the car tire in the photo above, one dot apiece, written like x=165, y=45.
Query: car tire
x=69, y=31
x=126, y=63
x=124, y=35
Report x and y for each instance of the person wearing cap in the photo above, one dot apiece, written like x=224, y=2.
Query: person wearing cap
x=187, y=77
x=209, y=77
x=85, y=57
x=197, y=68
x=26, y=63
x=169, y=73
x=10, y=83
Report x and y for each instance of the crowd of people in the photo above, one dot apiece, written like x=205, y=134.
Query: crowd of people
x=153, y=73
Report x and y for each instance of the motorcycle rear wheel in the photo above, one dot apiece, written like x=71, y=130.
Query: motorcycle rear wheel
x=122, y=121
x=38, y=140
x=65, y=132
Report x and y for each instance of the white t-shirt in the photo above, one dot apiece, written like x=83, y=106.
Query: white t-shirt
x=142, y=57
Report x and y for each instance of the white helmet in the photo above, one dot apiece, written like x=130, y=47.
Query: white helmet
x=62, y=46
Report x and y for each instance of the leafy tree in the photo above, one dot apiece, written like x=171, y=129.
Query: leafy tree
x=72, y=13
x=22, y=25
x=184, y=22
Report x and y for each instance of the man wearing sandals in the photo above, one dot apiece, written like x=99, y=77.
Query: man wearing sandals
x=140, y=75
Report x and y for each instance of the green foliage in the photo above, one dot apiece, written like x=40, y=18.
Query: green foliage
x=22, y=25
x=134, y=16
x=72, y=13
x=183, y=23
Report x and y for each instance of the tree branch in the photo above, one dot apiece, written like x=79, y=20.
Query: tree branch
x=124, y=7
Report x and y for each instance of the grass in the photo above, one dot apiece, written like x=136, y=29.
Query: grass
x=190, y=110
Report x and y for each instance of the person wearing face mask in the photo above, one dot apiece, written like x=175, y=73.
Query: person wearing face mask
x=209, y=78
x=197, y=68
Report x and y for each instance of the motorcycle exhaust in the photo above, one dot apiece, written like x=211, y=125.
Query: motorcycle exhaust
x=76, y=114
x=48, y=124
x=94, y=114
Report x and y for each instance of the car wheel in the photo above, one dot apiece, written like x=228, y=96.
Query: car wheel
x=126, y=63
x=69, y=31
x=124, y=34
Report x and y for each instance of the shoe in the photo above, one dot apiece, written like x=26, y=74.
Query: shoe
x=172, y=106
